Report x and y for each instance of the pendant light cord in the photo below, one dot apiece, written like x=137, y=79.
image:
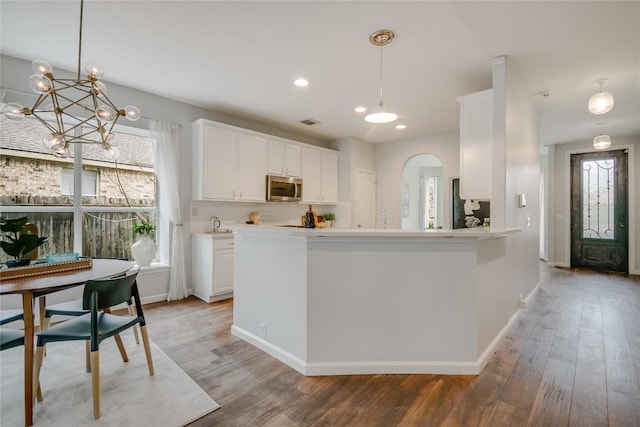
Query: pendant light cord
x=80, y=39
x=381, y=104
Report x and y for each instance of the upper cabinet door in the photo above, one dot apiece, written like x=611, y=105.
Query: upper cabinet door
x=293, y=160
x=284, y=158
x=476, y=145
x=276, y=157
x=329, y=177
x=251, y=167
x=217, y=163
x=311, y=175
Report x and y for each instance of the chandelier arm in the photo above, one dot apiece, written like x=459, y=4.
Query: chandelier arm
x=44, y=122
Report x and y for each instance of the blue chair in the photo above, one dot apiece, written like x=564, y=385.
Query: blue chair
x=74, y=309
x=10, y=338
x=98, y=325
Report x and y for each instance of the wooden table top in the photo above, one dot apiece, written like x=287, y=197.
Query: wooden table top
x=51, y=282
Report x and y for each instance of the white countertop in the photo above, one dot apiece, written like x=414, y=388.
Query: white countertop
x=466, y=233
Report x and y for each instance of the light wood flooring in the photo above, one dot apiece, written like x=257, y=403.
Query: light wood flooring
x=572, y=359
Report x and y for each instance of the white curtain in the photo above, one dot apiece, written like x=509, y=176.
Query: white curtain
x=166, y=151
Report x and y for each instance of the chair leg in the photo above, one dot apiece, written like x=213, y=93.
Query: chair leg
x=147, y=348
x=37, y=393
x=132, y=312
x=45, y=325
x=95, y=382
x=87, y=351
x=123, y=352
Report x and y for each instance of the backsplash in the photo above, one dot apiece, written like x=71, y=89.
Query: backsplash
x=238, y=213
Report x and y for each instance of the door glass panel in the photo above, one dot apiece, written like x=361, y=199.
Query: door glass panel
x=598, y=199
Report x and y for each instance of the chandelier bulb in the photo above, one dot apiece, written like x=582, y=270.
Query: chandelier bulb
x=94, y=70
x=52, y=141
x=106, y=113
x=111, y=152
x=99, y=88
x=40, y=84
x=40, y=66
x=132, y=112
x=13, y=111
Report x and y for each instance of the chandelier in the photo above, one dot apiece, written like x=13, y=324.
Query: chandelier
x=73, y=110
x=381, y=38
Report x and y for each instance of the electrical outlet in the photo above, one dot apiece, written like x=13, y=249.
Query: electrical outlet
x=194, y=211
x=263, y=330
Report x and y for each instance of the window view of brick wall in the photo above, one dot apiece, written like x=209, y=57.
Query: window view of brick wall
x=31, y=176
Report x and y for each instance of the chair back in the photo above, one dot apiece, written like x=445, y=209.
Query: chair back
x=111, y=291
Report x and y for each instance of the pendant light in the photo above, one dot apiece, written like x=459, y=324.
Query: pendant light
x=602, y=141
x=381, y=38
x=601, y=102
x=73, y=110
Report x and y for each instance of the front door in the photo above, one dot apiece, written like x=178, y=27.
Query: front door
x=599, y=219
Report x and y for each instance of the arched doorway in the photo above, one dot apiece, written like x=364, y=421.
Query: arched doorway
x=421, y=202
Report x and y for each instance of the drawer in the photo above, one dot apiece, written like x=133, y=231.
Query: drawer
x=223, y=243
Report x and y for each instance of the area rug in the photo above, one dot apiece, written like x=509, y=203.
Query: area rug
x=129, y=395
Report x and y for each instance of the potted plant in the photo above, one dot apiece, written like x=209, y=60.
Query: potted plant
x=17, y=244
x=144, y=249
x=328, y=218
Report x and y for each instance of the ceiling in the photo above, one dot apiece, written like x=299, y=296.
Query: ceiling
x=241, y=58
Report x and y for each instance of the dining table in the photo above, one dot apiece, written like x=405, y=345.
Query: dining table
x=38, y=287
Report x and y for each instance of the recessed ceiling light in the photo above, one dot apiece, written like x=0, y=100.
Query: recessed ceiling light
x=360, y=109
x=400, y=127
x=301, y=82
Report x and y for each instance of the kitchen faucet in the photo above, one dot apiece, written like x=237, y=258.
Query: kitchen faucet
x=384, y=218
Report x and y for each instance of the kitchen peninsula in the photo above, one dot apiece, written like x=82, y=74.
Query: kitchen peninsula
x=354, y=301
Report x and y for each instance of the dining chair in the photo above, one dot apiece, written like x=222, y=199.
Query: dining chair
x=10, y=338
x=74, y=309
x=12, y=315
x=97, y=325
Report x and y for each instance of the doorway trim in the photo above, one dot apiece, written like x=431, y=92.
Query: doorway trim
x=631, y=188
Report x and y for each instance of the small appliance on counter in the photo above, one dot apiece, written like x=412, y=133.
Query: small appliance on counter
x=310, y=218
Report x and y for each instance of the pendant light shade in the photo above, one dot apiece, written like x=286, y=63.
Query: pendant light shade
x=381, y=38
x=601, y=142
x=381, y=117
x=601, y=102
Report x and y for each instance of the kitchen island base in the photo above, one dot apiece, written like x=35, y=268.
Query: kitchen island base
x=334, y=303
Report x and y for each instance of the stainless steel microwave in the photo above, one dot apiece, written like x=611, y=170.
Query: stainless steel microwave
x=283, y=189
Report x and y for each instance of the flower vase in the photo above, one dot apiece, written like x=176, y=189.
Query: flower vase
x=144, y=251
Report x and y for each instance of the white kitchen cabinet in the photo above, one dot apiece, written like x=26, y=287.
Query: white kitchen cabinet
x=229, y=163
x=476, y=144
x=319, y=176
x=212, y=266
x=250, y=167
x=284, y=158
x=213, y=173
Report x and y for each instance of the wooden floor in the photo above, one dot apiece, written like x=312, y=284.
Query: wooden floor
x=572, y=359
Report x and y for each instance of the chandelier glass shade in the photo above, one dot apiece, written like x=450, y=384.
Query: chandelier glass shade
x=73, y=110
x=601, y=102
x=602, y=142
x=381, y=38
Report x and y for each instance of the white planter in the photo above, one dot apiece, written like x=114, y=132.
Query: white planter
x=144, y=251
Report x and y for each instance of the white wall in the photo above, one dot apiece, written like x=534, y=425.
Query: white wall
x=558, y=195
x=390, y=160
x=516, y=135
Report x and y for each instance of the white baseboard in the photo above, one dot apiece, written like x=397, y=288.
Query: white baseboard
x=272, y=350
